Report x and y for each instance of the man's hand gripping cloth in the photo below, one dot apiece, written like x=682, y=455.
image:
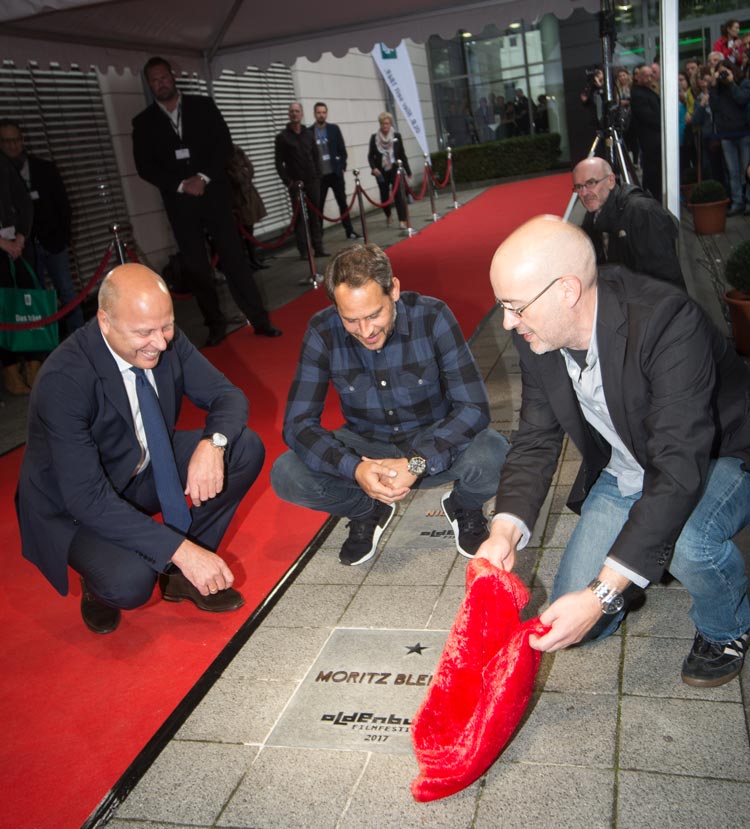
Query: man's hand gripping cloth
x=481, y=686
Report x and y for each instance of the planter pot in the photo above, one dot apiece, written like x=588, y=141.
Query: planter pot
x=739, y=313
x=686, y=190
x=709, y=218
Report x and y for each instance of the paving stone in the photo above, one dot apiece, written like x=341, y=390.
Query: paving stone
x=276, y=653
x=559, y=529
x=188, y=783
x=311, y=605
x=664, y=614
x=526, y=796
x=566, y=729
x=567, y=472
x=692, y=737
x=325, y=568
x=593, y=668
x=412, y=566
x=547, y=567
x=652, y=666
x=383, y=799
x=671, y=802
x=237, y=711
x=294, y=788
x=447, y=607
x=391, y=606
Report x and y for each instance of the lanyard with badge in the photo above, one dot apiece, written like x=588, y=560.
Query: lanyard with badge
x=181, y=153
x=322, y=140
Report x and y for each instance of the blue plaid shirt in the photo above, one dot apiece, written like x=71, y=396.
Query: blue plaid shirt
x=421, y=392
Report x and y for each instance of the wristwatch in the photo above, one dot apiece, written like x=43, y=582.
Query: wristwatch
x=612, y=602
x=417, y=466
x=217, y=439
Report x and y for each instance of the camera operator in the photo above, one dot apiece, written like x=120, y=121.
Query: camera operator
x=729, y=100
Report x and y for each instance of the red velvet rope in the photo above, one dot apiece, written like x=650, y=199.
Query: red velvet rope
x=413, y=194
x=277, y=243
x=446, y=180
x=344, y=215
x=390, y=201
x=66, y=309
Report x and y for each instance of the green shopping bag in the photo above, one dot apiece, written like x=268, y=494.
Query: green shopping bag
x=20, y=305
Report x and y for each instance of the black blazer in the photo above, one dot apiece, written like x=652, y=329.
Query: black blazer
x=204, y=133
x=375, y=159
x=82, y=448
x=51, y=205
x=336, y=147
x=678, y=396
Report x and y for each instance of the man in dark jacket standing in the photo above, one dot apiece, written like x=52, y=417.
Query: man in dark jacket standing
x=333, y=158
x=181, y=144
x=625, y=224
x=297, y=159
x=645, y=109
x=50, y=232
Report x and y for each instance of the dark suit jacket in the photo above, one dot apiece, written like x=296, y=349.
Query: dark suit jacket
x=204, y=133
x=677, y=394
x=82, y=449
x=375, y=160
x=336, y=147
x=645, y=110
x=51, y=205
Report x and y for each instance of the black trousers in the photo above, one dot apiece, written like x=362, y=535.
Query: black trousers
x=189, y=216
x=118, y=575
x=335, y=182
x=312, y=189
x=386, y=186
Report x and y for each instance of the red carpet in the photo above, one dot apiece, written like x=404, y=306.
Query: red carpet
x=77, y=708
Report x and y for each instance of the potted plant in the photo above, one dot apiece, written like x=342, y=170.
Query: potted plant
x=708, y=202
x=737, y=274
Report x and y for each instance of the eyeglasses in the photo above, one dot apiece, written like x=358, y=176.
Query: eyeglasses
x=589, y=184
x=518, y=312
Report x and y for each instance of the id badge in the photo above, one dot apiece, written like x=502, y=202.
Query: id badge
x=182, y=154
x=34, y=195
x=8, y=233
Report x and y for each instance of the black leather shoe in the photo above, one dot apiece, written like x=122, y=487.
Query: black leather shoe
x=175, y=587
x=216, y=333
x=353, y=235
x=321, y=252
x=267, y=330
x=97, y=616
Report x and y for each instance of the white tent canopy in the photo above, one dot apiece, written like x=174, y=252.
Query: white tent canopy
x=212, y=35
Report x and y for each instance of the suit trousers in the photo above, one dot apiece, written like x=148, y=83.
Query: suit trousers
x=118, y=575
x=335, y=181
x=189, y=215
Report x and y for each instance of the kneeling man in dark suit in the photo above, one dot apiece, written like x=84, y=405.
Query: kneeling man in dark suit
x=103, y=457
x=656, y=401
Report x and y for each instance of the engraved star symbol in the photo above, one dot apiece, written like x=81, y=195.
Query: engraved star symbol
x=418, y=648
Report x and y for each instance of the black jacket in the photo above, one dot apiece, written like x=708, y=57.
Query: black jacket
x=374, y=158
x=296, y=156
x=51, y=206
x=642, y=235
x=336, y=147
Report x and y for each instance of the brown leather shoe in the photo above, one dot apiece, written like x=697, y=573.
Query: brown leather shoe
x=97, y=616
x=175, y=587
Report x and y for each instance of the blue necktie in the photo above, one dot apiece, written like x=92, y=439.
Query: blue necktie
x=169, y=490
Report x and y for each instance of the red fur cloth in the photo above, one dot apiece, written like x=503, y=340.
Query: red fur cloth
x=481, y=686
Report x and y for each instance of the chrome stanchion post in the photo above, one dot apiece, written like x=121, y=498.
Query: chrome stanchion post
x=117, y=244
x=430, y=188
x=456, y=205
x=304, y=217
x=402, y=186
x=361, y=203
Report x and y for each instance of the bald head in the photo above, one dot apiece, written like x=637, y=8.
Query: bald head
x=554, y=261
x=593, y=180
x=135, y=314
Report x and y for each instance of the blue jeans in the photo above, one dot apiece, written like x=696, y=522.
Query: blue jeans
x=705, y=560
x=476, y=471
x=737, y=157
x=57, y=267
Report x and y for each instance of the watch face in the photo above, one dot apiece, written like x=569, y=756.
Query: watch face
x=217, y=439
x=614, y=605
x=417, y=466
